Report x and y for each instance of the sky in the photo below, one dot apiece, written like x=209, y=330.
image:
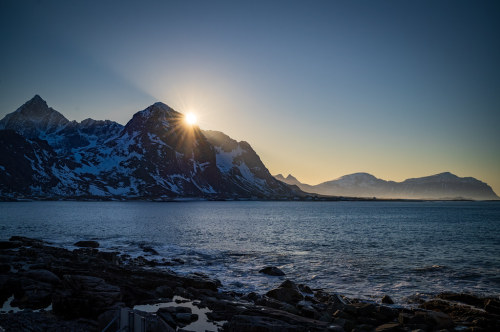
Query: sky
x=320, y=89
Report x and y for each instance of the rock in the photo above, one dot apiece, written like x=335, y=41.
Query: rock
x=200, y=282
x=175, y=310
x=37, y=295
x=84, y=296
x=492, y=306
x=288, y=295
x=389, y=327
x=44, y=276
x=272, y=271
x=87, y=244
x=463, y=298
x=386, y=299
x=164, y=291
x=26, y=241
x=149, y=250
x=10, y=244
x=4, y=268
x=305, y=289
x=439, y=319
x=244, y=323
x=185, y=318
x=167, y=318
x=289, y=284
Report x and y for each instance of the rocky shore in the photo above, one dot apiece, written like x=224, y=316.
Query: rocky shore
x=46, y=288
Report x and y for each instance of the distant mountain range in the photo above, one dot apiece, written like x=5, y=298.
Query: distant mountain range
x=439, y=186
x=156, y=155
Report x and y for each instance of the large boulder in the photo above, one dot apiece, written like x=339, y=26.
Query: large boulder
x=272, y=271
x=84, y=296
x=287, y=292
x=87, y=244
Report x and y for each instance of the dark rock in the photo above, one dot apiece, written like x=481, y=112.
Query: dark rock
x=283, y=294
x=272, y=271
x=244, y=323
x=26, y=241
x=289, y=284
x=36, y=295
x=164, y=291
x=185, y=318
x=87, y=244
x=175, y=310
x=386, y=299
x=492, y=306
x=149, y=250
x=167, y=318
x=463, y=298
x=200, y=282
x=389, y=327
x=178, y=261
x=44, y=276
x=10, y=244
x=84, y=296
x=4, y=268
x=305, y=289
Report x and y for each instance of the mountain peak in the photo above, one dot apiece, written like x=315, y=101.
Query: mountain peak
x=290, y=177
x=34, y=117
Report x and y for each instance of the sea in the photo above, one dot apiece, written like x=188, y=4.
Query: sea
x=358, y=249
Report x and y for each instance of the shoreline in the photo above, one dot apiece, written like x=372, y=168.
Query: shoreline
x=86, y=288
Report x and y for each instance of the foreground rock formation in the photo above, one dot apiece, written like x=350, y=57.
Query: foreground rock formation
x=85, y=289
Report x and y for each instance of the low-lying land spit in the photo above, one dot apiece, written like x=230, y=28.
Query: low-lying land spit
x=47, y=288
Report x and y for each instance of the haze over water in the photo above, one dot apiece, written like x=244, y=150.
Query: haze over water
x=360, y=249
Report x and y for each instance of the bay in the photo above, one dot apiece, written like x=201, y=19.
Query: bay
x=359, y=249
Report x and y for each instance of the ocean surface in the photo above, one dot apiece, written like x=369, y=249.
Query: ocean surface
x=358, y=249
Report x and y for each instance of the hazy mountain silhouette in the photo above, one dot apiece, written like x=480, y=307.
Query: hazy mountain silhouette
x=440, y=186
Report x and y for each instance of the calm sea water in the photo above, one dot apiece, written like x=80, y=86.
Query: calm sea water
x=362, y=249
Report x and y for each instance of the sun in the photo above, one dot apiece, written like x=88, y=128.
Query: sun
x=190, y=119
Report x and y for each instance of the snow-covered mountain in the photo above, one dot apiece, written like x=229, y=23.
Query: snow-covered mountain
x=155, y=155
x=439, y=186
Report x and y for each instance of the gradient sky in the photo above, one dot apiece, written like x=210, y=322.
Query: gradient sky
x=320, y=89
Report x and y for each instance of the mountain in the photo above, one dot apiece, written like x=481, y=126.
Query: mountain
x=156, y=155
x=439, y=186
x=35, y=119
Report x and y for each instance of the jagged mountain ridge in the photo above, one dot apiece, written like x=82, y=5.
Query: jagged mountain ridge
x=155, y=155
x=439, y=186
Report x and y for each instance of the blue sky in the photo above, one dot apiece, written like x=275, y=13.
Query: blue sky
x=320, y=89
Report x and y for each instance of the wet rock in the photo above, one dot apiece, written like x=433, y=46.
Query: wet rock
x=185, y=318
x=149, y=250
x=272, y=271
x=36, y=295
x=26, y=241
x=287, y=292
x=305, y=289
x=201, y=281
x=87, y=244
x=178, y=261
x=386, y=299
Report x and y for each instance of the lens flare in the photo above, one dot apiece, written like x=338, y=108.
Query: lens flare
x=191, y=119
